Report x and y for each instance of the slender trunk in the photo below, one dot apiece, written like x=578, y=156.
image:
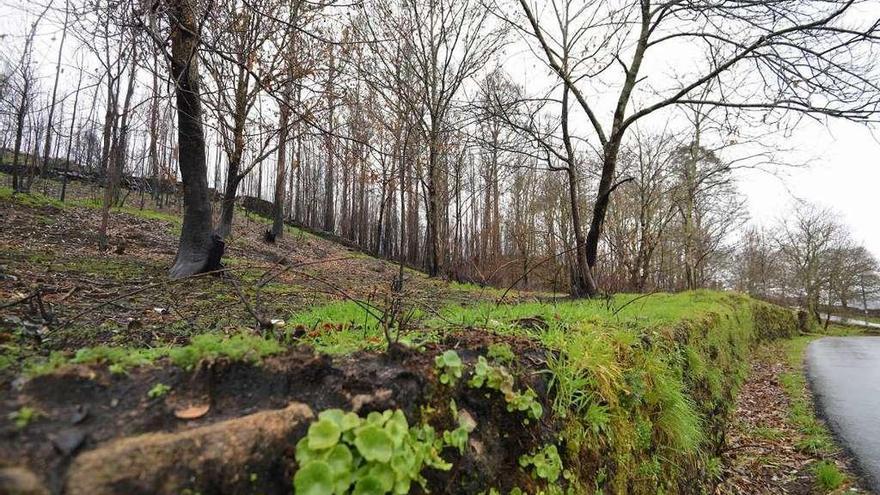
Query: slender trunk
x=17, y=180
x=329, y=204
x=281, y=166
x=70, y=141
x=48, y=143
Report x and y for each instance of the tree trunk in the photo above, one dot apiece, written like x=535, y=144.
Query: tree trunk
x=281, y=167
x=199, y=250
x=48, y=143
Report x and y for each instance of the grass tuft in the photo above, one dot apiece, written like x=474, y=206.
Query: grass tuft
x=828, y=476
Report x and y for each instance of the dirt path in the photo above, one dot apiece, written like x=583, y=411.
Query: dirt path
x=774, y=443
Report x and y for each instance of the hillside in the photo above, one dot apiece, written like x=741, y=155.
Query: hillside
x=115, y=380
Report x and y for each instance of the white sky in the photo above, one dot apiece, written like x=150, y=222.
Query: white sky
x=844, y=170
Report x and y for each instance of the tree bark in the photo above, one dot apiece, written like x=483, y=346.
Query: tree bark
x=199, y=250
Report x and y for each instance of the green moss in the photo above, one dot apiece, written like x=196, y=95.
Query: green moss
x=23, y=417
x=239, y=347
x=643, y=384
x=344, y=327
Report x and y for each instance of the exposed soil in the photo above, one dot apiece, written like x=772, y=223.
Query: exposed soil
x=84, y=407
x=761, y=457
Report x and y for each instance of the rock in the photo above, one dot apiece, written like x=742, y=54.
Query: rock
x=20, y=481
x=80, y=413
x=68, y=440
x=226, y=454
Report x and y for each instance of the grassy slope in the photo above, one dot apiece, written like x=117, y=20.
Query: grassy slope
x=639, y=387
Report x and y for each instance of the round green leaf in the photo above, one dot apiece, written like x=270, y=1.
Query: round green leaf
x=450, y=359
x=384, y=474
x=397, y=427
x=403, y=464
x=334, y=415
x=401, y=487
x=376, y=418
x=369, y=486
x=374, y=443
x=314, y=478
x=303, y=453
x=340, y=459
x=350, y=421
x=323, y=434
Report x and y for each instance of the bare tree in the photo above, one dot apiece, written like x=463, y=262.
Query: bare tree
x=778, y=57
x=804, y=241
x=446, y=42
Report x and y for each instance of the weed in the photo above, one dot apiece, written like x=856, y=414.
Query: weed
x=450, y=367
x=498, y=378
x=547, y=463
x=501, y=353
x=379, y=454
x=828, y=476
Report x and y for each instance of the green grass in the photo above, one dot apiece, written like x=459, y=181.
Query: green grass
x=344, y=327
x=815, y=437
x=30, y=200
x=37, y=200
x=644, y=382
x=828, y=476
x=118, y=268
x=238, y=347
x=641, y=386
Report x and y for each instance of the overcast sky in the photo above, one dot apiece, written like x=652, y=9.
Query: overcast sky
x=844, y=158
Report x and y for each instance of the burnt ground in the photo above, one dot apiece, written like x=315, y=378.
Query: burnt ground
x=82, y=407
x=60, y=293
x=122, y=297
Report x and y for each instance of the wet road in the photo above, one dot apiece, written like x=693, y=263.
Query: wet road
x=844, y=374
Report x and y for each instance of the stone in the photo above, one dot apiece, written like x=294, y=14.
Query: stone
x=228, y=454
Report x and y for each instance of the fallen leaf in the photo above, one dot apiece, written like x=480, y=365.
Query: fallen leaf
x=192, y=412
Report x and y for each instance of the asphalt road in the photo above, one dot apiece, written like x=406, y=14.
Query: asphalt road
x=844, y=374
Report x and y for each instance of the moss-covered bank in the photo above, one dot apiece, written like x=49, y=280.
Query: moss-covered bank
x=628, y=395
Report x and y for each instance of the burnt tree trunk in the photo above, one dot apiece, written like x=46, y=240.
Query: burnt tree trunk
x=199, y=250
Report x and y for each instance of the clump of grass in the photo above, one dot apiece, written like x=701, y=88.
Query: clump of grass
x=344, y=327
x=828, y=476
x=815, y=438
x=500, y=352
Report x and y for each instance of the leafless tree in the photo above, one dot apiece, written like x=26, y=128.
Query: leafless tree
x=782, y=58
